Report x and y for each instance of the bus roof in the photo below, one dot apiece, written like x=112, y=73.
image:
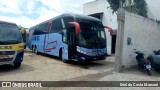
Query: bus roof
x=9, y=23
x=81, y=16
x=72, y=15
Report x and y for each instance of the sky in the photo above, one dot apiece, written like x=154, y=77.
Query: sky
x=153, y=7
x=28, y=13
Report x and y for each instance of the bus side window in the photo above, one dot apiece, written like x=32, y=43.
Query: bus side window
x=41, y=29
x=66, y=21
x=70, y=29
x=31, y=31
x=56, y=26
x=44, y=28
x=64, y=33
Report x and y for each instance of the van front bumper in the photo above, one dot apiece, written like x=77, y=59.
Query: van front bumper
x=11, y=57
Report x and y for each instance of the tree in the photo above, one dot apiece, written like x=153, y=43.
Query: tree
x=138, y=6
x=141, y=7
x=115, y=4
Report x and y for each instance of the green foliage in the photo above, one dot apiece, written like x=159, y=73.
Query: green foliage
x=115, y=4
x=139, y=7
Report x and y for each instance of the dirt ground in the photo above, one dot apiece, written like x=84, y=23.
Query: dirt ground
x=48, y=68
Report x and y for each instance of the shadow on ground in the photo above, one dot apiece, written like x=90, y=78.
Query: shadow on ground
x=135, y=71
x=102, y=64
x=8, y=69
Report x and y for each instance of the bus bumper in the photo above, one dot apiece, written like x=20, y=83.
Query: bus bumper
x=83, y=57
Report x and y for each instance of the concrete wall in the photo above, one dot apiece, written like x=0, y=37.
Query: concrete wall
x=108, y=18
x=144, y=34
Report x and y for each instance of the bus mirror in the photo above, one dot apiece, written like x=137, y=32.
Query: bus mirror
x=110, y=29
x=77, y=26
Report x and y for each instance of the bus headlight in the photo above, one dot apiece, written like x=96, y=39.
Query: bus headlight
x=66, y=51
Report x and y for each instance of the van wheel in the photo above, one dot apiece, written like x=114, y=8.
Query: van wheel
x=60, y=56
x=17, y=65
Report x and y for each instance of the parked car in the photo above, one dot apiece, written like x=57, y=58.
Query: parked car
x=155, y=59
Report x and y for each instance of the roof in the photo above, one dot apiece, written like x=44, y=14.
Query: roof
x=72, y=15
x=81, y=16
x=4, y=22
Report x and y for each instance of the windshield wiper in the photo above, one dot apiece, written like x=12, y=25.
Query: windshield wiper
x=1, y=42
x=10, y=42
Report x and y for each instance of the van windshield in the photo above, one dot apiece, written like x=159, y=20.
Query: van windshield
x=9, y=34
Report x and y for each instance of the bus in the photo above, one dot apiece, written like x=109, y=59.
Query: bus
x=70, y=37
x=11, y=44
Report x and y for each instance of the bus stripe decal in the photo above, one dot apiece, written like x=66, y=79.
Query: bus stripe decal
x=54, y=47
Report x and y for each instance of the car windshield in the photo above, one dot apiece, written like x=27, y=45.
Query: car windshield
x=9, y=34
x=92, y=34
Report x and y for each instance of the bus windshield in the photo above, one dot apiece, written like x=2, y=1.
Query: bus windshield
x=9, y=34
x=92, y=34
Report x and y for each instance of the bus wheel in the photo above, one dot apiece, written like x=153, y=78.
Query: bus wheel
x=17, y=65
x=60, y=56
x=35, y=50
x=32, y=49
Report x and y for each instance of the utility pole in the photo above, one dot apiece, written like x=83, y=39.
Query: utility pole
x=120, y=36
x=120, y=4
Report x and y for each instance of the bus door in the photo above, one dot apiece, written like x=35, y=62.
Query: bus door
x=71, y=37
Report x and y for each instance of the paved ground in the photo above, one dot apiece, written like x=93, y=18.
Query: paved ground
x=48, y=68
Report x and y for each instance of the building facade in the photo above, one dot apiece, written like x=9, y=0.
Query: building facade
x=101, y=10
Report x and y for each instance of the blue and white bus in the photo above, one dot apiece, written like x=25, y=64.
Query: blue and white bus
x=70, y=37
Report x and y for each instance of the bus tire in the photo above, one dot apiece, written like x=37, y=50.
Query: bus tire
x=35, y=50
x=32, y=49
x=17, y=65
x=60, y=56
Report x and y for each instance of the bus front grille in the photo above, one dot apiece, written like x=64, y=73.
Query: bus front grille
x=7, y=52
x=5, y=60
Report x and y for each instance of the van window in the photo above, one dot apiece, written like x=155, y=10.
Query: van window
x=9, y=34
